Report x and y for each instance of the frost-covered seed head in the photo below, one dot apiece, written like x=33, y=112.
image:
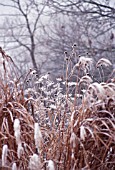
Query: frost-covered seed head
x=20, y=150
x=82, y=133
x=35, y=163
x=86, y=79
x=85, y=61
x=103, y=61
x=16, y=125
x=98, y=90
x=33, y=72
x=14, y=166
x=112, y=85
x=109, y=91
x=17, y=132
x=51, y=165
x=17, y=135
x=37, y=136
x=73, y=139
x=4, y=155
x=72, y=155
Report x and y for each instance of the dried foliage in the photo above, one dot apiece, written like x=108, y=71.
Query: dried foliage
x=61, y=125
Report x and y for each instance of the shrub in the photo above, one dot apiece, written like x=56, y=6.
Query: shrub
x=58, y=125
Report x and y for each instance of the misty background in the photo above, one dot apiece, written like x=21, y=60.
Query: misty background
x=37, y=33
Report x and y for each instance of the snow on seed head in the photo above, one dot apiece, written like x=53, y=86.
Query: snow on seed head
x=14, y=166
x=109, y=91
x=86, y=79
x=73, y=139
x=33, y=72
x=103, y=61
x=83, y=133
x=98, y=90
x=17, y=132
x=16, y=124
x=50, y=165
x=37, y=136
x=85, y=61
x=4, y=155
x=34, y=163
x=20, y=150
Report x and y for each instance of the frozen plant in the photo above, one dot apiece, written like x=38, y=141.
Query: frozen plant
x=37, y=136
x=4, y=155
x=51, y=165
x=17, y=134
x=17, y=131
x=82, y=133
x=34, y=163
x=86, y=79
x=98, y=90
x=103, y=61
x=84, y=63
x=73, y=139
x=20, y=150
x=14, y=166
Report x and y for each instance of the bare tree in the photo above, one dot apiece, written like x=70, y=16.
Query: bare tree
x=98, y=15
x=22, y=23
x=89, y=24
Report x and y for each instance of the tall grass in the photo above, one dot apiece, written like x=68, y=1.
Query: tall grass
x=61, y=125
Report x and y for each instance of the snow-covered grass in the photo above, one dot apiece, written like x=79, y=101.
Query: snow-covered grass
x=57, y=125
